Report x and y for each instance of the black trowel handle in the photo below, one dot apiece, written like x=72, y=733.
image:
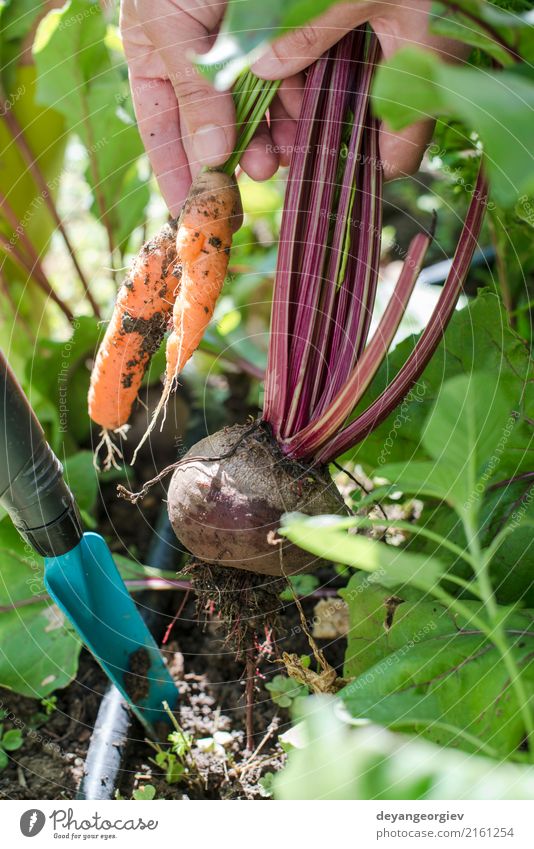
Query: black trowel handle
x=32, y=488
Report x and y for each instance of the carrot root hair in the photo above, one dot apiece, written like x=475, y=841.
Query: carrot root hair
x=112, y=450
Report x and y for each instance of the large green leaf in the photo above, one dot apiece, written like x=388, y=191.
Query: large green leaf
x=82, y=478
x=336, y=761
x=329, y=537
x=452, y=687
x=511, y=567
x=38, y=647
x=499, y=106
x=478, y=338
x=57, y=381
x=76, y=75
x=482, y=25
x=463, y=434
x=381, y=623
x=16, y=20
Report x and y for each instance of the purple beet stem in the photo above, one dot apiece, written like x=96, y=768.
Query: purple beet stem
x=318, y=365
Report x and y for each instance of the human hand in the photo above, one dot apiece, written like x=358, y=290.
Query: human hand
x=185, y=124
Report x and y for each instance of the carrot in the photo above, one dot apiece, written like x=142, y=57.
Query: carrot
x=140, y=318
x=203, y=246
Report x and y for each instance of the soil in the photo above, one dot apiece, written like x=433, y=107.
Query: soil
x=212, y=708
x=50, y=763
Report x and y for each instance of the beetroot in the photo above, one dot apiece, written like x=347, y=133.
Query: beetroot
x=226, y=511
x=226, y=499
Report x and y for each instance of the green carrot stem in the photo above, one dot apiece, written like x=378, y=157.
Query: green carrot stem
x=252, y=98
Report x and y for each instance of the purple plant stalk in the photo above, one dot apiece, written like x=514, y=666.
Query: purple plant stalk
x=321, y=361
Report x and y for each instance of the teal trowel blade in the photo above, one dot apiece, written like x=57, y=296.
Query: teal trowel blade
x=87, y=586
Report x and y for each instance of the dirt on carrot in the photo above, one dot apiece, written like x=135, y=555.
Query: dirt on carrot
x=136, y=330
x=210, y=215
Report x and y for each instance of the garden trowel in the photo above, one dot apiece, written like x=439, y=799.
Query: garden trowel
x=79, y=573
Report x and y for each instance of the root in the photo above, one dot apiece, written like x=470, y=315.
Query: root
x=246, y=604
x=250, y=678
x=112, y=449
x=168, y=386
x=326, y=680
x=162, y=405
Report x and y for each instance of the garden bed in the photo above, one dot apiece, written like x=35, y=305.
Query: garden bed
x=50, y=763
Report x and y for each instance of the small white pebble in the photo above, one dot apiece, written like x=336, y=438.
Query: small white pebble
x=206, y=744
x=223, y=738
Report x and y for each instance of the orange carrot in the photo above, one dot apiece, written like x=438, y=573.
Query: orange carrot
x=203, y=246
x=140, y=319
x=203, y=243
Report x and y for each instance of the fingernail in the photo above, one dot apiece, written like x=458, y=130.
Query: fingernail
x=210, y=146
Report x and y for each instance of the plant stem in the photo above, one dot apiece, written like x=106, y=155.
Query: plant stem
x=252, y=99
x=33, y=263
x=443, y=542
x=33, y=167
x=250, y=677
x=427, y=343
x=40, y=280
x=318, y=433
x=498, y=634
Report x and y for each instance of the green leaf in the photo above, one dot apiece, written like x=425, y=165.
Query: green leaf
x=450, y=687
x=56, y=380
x=77, y=76
x=129, y=208
x=465, y=433
x=82, y=478
x=338, y=761
x=328, y=537
x=284, y=690
x=478, y=338
x=381, y=623
x=175, y=770
x=511, y=566
x=4, y=760
x=499, y=106
x=301, y=585
x=146, y=791
x=16, y=21
x=266, y=785
x=475, y=22
x=248, y=27
x=38, y=647
x=12, y=740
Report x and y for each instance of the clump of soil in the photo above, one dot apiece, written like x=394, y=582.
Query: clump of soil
x=136, y=682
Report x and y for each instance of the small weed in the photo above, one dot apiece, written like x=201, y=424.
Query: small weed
x=176, y=760
x=284, y=690
x=49, y=704
x=9, y=741
x=146, y=791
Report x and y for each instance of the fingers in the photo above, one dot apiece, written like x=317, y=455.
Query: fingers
x=207, y=117
x=260, y=160
x=156, y=110
x=297, y=49
x=401, y=152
